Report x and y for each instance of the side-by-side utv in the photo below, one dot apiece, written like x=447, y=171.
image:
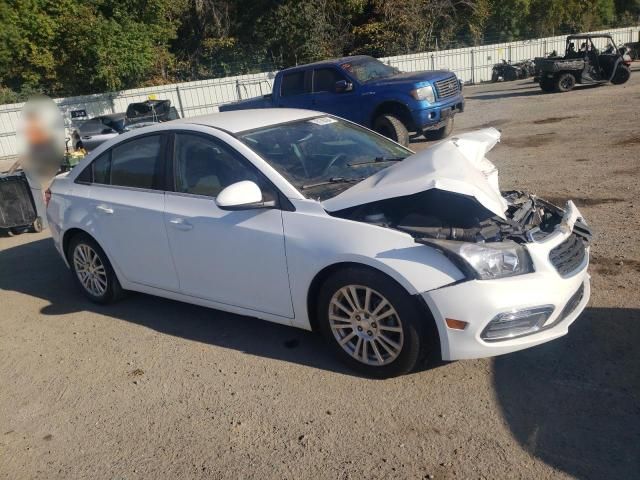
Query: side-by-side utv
x=585, y=64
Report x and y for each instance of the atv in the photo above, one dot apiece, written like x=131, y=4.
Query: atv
x=587, y=65
x=512, y=71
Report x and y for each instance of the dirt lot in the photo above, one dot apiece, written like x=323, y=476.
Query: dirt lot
x=151, y=388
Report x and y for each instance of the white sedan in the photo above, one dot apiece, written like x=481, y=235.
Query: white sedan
x=304, y=219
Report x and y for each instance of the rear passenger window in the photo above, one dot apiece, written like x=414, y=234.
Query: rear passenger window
x=138, y=163
x=293, y=84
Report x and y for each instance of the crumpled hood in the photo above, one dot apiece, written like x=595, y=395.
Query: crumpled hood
x=456, y=165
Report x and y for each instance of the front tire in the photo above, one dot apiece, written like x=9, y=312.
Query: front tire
x=440, y=133
x=372, y=324
x=622, y=75
x=565, y=82
x=392, y=127
x=92, y=270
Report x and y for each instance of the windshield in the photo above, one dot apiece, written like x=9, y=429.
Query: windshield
x=323, y=156
x=367, y=69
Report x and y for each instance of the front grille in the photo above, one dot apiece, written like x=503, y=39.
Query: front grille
x=448, y=87
x=569, y=255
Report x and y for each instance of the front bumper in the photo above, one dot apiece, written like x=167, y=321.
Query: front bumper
x=435, y=116
x=477, y=302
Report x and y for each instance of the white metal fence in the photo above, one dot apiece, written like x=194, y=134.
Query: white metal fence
x=471, y=65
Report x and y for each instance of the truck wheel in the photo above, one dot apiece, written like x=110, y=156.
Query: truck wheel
x=546, y=85
x=391, y=127
x=440, y=133
x=565, y=82
x=623, y=73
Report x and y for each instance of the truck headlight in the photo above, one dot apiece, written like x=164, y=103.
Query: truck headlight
x=424, y=93
x=487, y=261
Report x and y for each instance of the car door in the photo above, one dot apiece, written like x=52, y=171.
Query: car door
x=345, y=104
x=232, y=257
x=126, y=205
x=295, y=90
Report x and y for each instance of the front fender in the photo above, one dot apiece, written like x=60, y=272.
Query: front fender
x=315, y=242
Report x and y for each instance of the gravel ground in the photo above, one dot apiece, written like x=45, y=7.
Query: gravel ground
x=151, y=388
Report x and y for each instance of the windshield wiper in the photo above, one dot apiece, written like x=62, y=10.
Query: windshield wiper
x=330, y=181
x=376, y=160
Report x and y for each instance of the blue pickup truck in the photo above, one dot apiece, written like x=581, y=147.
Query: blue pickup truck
x=366, y=91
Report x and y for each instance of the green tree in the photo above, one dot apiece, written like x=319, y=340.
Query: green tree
x=27, y=44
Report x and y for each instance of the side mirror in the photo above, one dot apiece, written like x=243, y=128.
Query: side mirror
x=342, y=86
x=244, y=195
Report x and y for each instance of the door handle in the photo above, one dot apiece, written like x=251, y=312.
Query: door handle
x=180, y=224
x=104, y=209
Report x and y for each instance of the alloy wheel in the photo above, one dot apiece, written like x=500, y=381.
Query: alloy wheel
x=366, y=325
x=90, y=270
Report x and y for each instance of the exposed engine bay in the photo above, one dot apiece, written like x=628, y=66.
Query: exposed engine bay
x=444, y=215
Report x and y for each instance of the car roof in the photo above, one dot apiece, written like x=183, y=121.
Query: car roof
x=586, y=35
x=330, y=61
x=236, y=121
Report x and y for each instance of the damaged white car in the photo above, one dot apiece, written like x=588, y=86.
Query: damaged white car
x=308, y=220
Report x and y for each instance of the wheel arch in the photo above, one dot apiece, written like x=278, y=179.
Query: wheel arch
x=326, y=272
x=69, y=235
x=394, y=107
x=73, y=232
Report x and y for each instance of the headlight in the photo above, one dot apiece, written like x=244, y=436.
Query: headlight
x=489, y=260
x=424, y=93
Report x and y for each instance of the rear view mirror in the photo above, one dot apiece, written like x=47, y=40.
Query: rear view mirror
x=245, y=195
x=343, y=86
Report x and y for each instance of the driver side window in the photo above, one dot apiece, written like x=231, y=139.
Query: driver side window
x=324, y=79
x=205, y=167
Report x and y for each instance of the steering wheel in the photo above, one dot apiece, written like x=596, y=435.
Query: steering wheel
x=332, y=162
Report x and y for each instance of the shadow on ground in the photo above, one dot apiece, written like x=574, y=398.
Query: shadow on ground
x=35, y=269
x=529, y=91
x=575, y=402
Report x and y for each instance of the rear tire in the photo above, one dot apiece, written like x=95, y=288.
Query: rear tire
x=92, y=270
x=380, y=334
x=391, y=127
x=547, y=85
x=440, y=133
x=622, y=75
x=565, y=82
